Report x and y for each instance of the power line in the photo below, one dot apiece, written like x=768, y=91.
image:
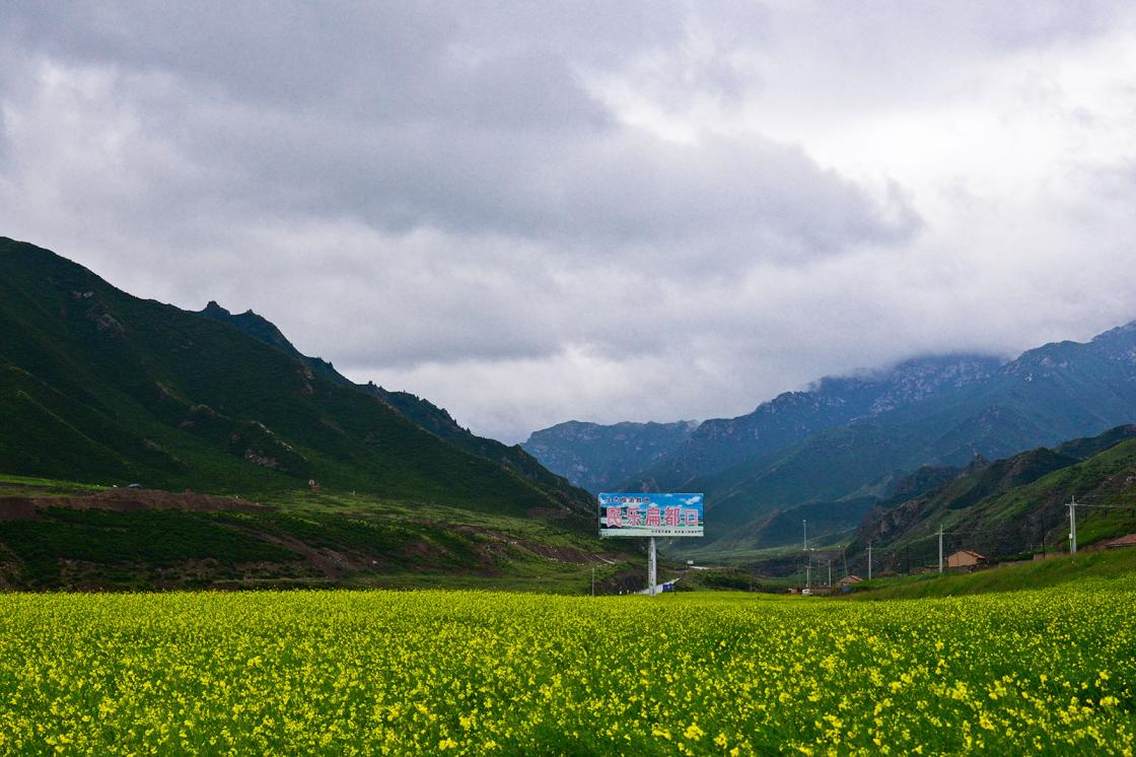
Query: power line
x=903, y=550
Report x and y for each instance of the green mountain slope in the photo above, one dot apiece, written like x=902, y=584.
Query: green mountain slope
x=100, y=386
x=58, y=535
x=1053, y=393
x=1013, y=506
x=417, y=410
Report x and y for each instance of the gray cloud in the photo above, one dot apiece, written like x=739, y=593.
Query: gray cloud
x=603, y=210
x=447, y=131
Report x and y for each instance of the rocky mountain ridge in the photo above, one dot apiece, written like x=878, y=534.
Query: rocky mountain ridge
x=598, y=457
x=846, y=438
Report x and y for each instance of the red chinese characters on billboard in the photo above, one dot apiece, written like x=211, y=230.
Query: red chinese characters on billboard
x=662, y=514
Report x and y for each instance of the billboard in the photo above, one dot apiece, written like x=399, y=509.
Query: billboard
x=650, y=514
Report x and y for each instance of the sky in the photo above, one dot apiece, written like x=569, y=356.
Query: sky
x=534, y=212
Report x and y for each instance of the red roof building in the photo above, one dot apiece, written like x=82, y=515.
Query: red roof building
x=1123, y=541
x=965, y=558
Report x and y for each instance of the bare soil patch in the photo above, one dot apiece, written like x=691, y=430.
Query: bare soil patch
x=125, y=501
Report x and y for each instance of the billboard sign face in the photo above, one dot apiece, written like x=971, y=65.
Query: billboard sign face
x=650, y=514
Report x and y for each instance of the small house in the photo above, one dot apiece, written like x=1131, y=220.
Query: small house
x=1123, y=541
x=849, y=580
x=965, y=558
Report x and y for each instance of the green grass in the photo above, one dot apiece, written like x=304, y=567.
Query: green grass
x=304, y=539
x=731, y=579
x=430, y=672
x=1085, y=567
x=158, y=539
x=24, y=486
x=740, y=554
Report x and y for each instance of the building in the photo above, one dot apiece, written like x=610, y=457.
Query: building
x=849, y=580
x=965, y=558
x=1123, y=541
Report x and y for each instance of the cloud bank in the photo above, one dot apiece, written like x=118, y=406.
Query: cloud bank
x=534, y=212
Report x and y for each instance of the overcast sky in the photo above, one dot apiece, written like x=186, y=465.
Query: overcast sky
x=534, y=211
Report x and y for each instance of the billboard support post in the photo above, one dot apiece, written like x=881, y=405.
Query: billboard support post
x=651, y=568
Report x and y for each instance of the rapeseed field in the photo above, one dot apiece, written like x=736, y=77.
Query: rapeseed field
x=343, y=672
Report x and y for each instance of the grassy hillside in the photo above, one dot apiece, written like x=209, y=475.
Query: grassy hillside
x=56, y=535
x=419, y=411
x=103, y=387
x=1005, y=509
x=1085, y=569
x=1013, y=507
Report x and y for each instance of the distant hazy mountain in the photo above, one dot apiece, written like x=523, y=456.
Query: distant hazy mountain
x=99, y=386
x=1056, y=392
x=846, y=439
x=598, y=457
x=793, y=417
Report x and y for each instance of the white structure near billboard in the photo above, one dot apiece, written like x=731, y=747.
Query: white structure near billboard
x=650, y=514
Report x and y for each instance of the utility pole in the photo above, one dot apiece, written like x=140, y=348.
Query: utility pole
x=1041, y=537
x=809, y=573
x=940, y=549
x=844, y=556
x=651, y=590
x=830, y=572
x=1072, y=525
x=869, y=561
x=805, y=529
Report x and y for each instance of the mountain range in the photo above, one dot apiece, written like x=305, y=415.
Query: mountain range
x=848, y=441
x=99, y=386
x=598, y=457
x=1013, y=507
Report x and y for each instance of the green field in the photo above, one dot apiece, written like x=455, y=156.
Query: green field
x=469, y=672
